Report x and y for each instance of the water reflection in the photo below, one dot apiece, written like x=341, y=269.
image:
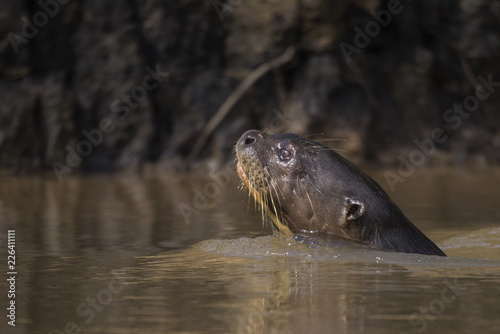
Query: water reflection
x=111, y=254
x=111, y=212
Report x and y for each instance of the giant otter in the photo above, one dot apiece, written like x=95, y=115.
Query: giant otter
x=305, y=186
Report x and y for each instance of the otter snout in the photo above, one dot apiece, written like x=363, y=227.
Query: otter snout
x=249, y=166
x=248, y=145
x=249, y=138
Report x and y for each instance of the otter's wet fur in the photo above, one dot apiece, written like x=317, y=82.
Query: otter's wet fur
x=305, y=186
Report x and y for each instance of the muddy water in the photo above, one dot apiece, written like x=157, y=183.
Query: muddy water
x=189, y=254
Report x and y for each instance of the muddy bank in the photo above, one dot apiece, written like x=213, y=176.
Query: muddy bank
x=118, y=85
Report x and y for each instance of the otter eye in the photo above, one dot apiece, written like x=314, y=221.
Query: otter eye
x=285, y=154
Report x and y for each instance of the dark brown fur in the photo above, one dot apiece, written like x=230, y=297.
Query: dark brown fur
x=310, y=188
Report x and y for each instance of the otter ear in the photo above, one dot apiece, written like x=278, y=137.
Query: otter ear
x=353, y=209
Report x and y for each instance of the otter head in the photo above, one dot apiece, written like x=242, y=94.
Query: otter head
x=307, y=187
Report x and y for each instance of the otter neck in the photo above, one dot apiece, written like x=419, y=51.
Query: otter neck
x=402, y=236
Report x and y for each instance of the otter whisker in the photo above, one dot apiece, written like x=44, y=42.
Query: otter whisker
x=312, y=135
x=321, y=149
x=278, y=212
x=249, y=197
x=343, y=151
x=274, y=208
x=269, y=197
x=263, y=215
x=329, y=139
x=279, y=193
x=310, y=202
x=255, y=199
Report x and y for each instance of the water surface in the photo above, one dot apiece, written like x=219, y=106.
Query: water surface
x=189, y=254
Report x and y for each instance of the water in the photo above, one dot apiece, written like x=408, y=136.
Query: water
x=149, y=254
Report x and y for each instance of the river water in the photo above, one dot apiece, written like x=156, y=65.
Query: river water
x=190, y=254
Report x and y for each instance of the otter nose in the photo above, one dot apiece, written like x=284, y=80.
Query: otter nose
x=250, y=137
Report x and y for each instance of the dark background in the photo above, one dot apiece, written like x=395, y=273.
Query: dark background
x=63, y=77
